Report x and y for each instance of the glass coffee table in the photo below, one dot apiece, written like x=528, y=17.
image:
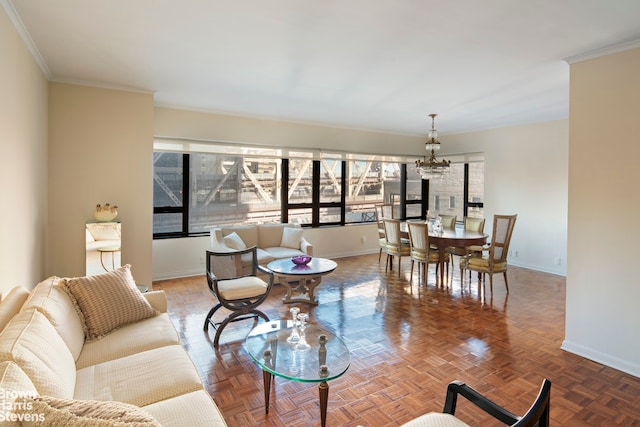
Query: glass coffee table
x=308, y=277
x=325, y=358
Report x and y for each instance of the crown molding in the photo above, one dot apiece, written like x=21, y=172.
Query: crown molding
x=8, y=7
x=608, y=50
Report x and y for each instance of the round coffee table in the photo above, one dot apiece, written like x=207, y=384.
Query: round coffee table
x=326, y=357
x=308, y=277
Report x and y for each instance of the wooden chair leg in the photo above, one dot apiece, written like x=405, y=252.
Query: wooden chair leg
x=411, y=274
x=506, y=282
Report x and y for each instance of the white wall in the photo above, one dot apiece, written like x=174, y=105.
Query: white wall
x=602, y=320
x=101, y=145
x=513, y=181
x=526, y=174
x=185, y=257
x=23, y=175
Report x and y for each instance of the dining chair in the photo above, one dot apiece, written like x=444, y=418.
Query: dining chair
x=494, y=257
x=420, y=249
x=536, y=416
x=381, y=210
x=396, y=245
x=469, y=224
x=232, y=278
x=448, y=221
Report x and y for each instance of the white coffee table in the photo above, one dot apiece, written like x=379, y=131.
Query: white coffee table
x=307, y=278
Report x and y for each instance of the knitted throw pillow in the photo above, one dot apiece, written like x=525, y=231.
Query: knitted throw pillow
x=108, y=301
x=51, y=411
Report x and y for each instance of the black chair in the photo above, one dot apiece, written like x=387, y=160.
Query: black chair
x=233, y=280
x=537, y=415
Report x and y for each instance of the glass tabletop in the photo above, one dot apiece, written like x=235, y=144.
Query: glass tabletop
x=315, y=266
x=268, y=346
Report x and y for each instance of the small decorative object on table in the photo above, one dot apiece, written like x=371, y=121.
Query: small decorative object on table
x=295, y=336
x=301, y=259
x=105, y=213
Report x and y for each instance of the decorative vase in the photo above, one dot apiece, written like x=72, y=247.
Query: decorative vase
x=105, y=213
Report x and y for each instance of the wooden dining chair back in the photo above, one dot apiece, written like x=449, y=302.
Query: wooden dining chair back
x=474, y=224
x=233, y=280
x=382, y=239
x=536, y=416
x=421, y=252
x=494, y=256
x=396, y=245
x=470, y=224
x=448, y=221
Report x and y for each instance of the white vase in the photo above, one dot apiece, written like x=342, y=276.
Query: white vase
x=106, y=213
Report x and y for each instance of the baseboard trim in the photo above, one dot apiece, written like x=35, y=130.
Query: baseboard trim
x=599, y=357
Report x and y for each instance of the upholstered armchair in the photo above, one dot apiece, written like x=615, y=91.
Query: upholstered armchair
x=537, y=415
x=232, y=279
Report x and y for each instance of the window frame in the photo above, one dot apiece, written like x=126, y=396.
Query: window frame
x=316, y=205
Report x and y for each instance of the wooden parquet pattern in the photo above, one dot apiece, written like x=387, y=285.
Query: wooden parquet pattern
x=408, y=341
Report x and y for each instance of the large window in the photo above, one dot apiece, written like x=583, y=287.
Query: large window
x=460, y=193
x=194, y=191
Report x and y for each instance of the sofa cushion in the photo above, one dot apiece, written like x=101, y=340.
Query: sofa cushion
x=243, y=287
x=14, y=384
x=144, y=335
x=11, y=304
x=31, y=342
x=108, y=301
x=264, y=257
x=269, y=235
x=140, y=379
x=51, y=300
x=248, y=233
x=280, y=252
x=234, y=241
x=291, y=238
x=435, y=419
x=85, y=413
x=187, y=410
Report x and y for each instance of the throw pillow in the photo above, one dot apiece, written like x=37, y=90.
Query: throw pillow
x=11, y=304
x=108, y=301
x=291, y=237
x=234, y=241
x=45, y=410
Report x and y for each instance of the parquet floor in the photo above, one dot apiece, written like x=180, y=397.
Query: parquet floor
x=408, y=342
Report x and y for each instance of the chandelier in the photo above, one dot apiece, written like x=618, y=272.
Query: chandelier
x=432, y=168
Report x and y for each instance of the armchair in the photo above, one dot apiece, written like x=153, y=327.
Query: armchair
x=232, y=279
x=537, y=415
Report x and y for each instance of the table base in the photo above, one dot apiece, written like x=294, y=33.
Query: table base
x=302, y=291
x=323, y=392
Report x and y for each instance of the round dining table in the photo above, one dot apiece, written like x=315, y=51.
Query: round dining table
x=454, y=237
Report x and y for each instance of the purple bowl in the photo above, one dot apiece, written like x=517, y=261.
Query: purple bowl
x=301, y=259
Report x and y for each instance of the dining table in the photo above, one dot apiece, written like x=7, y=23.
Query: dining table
x=446, y=238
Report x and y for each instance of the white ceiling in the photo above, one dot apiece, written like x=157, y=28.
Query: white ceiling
x=370, y=64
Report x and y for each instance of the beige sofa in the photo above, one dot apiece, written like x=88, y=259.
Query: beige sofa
x=273, y=241
x=49, y=368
